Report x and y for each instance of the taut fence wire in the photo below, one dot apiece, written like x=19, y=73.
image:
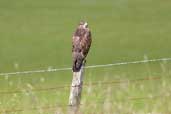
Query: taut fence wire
x=87, y=67
x=112, y=82
x=54, y=107
x=48, y=107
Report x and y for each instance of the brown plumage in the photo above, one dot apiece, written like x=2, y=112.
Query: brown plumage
x=81, y=42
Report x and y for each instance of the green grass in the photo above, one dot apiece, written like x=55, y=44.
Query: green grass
x=37, y=35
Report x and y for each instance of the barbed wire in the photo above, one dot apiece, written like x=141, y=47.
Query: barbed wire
x=48, y=107
x=87, y=84
x=87, y=67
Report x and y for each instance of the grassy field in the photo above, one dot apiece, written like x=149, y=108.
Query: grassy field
x=36, y=34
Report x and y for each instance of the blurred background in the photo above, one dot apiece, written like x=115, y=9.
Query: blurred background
x=36, y=34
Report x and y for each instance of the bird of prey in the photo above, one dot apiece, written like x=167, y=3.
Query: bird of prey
x=81, y=42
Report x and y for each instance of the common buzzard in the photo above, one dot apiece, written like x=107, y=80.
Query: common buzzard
x=81, y=42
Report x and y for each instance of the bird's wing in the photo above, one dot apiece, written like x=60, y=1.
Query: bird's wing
x=76, y=44
x=86, y=43
x=76, y=40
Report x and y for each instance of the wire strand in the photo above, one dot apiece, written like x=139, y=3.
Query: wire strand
x=112, y=82
x=93, y=84
x=54, y=107
x=87, y=67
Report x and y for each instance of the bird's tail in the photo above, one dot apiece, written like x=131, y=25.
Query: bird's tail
x=77, y=62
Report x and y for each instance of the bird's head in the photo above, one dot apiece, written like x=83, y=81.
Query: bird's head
x=83, y=24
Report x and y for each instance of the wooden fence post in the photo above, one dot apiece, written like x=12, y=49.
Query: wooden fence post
x=76, y=89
